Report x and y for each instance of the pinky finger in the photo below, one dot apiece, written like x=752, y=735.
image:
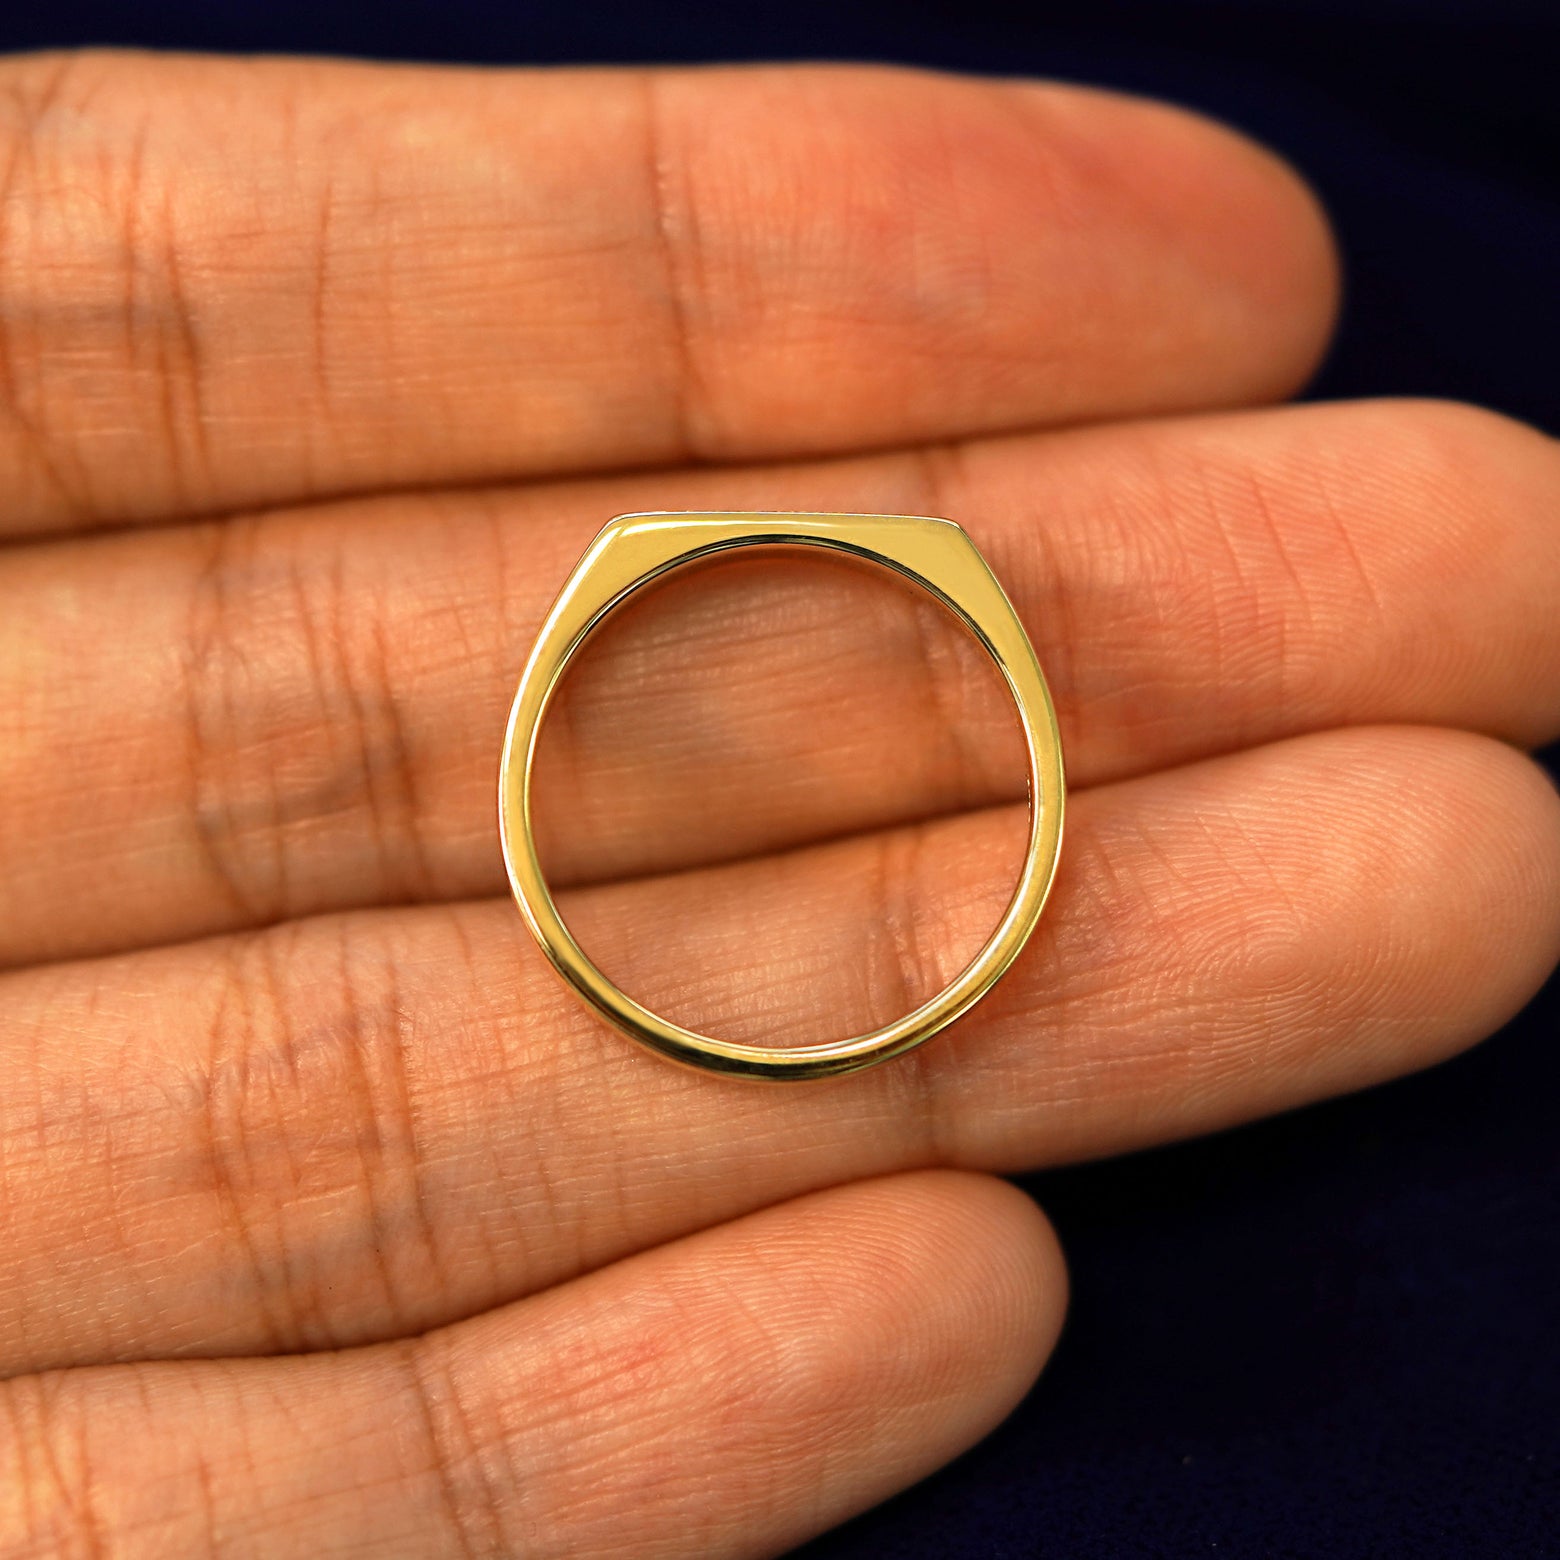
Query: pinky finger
x=727, y=1395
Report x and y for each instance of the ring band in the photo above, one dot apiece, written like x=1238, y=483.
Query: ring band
x=631, y=552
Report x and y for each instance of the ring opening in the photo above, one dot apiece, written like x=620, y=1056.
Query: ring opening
x=781, y=796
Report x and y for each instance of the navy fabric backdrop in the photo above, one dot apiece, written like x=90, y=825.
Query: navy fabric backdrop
x=1333, y=1334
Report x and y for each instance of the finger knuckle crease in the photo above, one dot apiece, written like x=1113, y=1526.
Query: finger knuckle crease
x=46, y=1447
x=293, y=719
x=306, y=1119
x=470, y=1472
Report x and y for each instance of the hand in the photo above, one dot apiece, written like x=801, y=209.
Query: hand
x=329, y=1223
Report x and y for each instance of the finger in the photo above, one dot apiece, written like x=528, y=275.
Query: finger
x=204, y=729
x=360, y=1127
x=229, y=282
x=729, y=1395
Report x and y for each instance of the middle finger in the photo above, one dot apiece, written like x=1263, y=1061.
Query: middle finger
x=207, y=728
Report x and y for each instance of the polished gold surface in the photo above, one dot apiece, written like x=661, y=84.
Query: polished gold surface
x=629, y=553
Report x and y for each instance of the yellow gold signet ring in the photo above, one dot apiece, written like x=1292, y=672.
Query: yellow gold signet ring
x=630, y=553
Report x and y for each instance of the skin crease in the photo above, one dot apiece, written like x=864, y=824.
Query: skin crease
x=329, y=1223
x=1223, y=566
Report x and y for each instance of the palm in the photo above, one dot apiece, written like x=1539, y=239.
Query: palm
x=283, y=1076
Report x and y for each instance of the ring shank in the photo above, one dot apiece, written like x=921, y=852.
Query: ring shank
x=630, y=553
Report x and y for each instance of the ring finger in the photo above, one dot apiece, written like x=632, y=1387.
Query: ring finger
x=360, y=1126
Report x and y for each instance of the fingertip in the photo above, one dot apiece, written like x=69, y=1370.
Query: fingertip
x=1051, y=253
x=1513, y=899
x=991, y=1277
x=1431, y=859
x=1262, y=270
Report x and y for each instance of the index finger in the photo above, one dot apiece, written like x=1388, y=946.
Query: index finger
x=242, y=282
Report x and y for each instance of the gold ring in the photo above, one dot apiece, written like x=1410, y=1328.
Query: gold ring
x=634, y=550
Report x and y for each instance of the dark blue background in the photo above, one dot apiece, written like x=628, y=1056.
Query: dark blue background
x=1333, y=1334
